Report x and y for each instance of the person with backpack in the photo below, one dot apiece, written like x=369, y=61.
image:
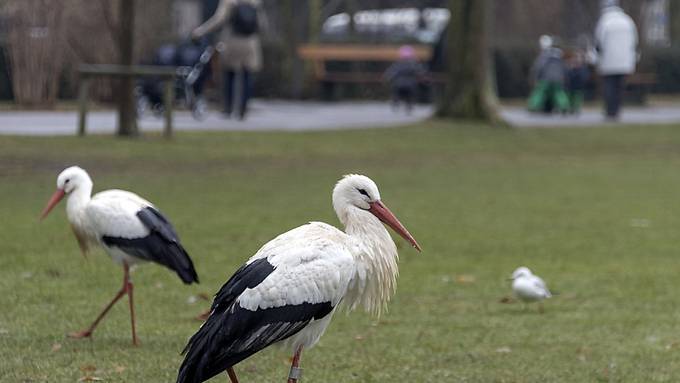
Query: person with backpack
x=239, y=23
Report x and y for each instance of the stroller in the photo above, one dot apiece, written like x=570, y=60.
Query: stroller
x=192, y=61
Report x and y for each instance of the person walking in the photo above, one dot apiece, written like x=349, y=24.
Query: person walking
x=616, y=39
x=404, y=76
x=241, y=22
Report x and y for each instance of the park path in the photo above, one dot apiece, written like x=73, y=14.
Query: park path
x=306, y=116
x=264, y=116
x=593, y=117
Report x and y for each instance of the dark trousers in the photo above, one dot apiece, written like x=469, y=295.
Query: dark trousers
x=613, y=93
x=405, y=94
x=230, y=84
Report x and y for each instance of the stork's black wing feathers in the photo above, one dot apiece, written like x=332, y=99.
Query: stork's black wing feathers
x=233, y=333
x=246, y=277
x=162, y=245
x=155, y=221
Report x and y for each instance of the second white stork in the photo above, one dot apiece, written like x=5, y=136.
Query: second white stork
x=288, y=291
x=129, y=228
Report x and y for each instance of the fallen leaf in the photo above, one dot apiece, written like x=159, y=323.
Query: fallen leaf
x=88, y=368
x=26, y=275
x=56, y=347
x=204, y=296
x=503, y=350
x=359, y=337
x=159, y=285
x=583, y=353
x=119, y=369
x=192, y=299
x=506, y=299
x=465, y=279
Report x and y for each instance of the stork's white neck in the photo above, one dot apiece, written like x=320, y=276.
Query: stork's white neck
x=376, y=259
x=76, y=202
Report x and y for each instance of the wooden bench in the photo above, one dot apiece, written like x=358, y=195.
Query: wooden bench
x=638, y=85
x=321, y=54
x=89, y=71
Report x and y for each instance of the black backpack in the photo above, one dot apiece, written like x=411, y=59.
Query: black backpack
x=243, y=19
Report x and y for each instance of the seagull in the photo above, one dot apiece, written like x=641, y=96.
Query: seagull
x=529, y=287
x=129, y=228
x=288, y=291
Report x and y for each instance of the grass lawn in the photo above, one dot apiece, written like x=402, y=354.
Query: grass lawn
x=593, y=211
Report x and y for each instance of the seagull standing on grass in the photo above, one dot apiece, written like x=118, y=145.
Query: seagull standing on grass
x=129, y=228
x=289, y=290
x=529, y=287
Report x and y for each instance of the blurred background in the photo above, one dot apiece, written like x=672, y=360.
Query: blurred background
x=41, y=45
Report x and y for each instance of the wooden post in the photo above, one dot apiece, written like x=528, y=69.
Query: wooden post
x=126, y=103
x=83, y=94
x=166, y=74
x=168, y=101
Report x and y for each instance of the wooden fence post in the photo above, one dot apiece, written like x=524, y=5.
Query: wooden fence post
x=83, y=94
x=168, y=101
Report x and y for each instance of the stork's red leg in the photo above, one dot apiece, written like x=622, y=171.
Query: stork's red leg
x=130, y=288
x=295, y=370
x=88, y=332
x=232, y=375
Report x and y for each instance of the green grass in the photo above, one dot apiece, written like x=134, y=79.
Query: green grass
x=566, y=202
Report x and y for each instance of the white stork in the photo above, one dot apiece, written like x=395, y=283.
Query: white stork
x=129, y=228
x=528, y=287
x=288, y=291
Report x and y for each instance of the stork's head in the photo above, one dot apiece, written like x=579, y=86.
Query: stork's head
x=69, y=180
x=521, y=272
x=360, y=192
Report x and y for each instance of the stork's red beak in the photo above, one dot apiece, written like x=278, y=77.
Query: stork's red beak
x=384, y=214
x=54, y=200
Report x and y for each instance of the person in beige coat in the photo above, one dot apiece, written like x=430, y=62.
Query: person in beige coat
x=239, y=22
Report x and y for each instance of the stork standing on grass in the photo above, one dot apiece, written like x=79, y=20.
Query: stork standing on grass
x=129, y=228
x=288, y=291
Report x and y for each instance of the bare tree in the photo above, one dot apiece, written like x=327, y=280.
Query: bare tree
x=35, y=55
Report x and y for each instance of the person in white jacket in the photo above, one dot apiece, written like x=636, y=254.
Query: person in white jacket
x=616, y=40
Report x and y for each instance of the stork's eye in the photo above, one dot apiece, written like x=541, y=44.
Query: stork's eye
x=364, y=192
x=66, y=181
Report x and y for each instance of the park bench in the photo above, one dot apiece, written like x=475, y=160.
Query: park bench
x=322, y=54
x=87, y=72
x=638, y=85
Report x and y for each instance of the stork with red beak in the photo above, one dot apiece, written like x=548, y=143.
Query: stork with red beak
x=289, y=290
x=129, y=228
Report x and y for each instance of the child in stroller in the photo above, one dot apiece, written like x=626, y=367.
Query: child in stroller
x=192, y=61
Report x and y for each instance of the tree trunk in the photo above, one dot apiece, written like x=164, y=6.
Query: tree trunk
x=674, y=22
x=293, y=15
x=469, y=92
x=314, y=23
x=127, y=125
